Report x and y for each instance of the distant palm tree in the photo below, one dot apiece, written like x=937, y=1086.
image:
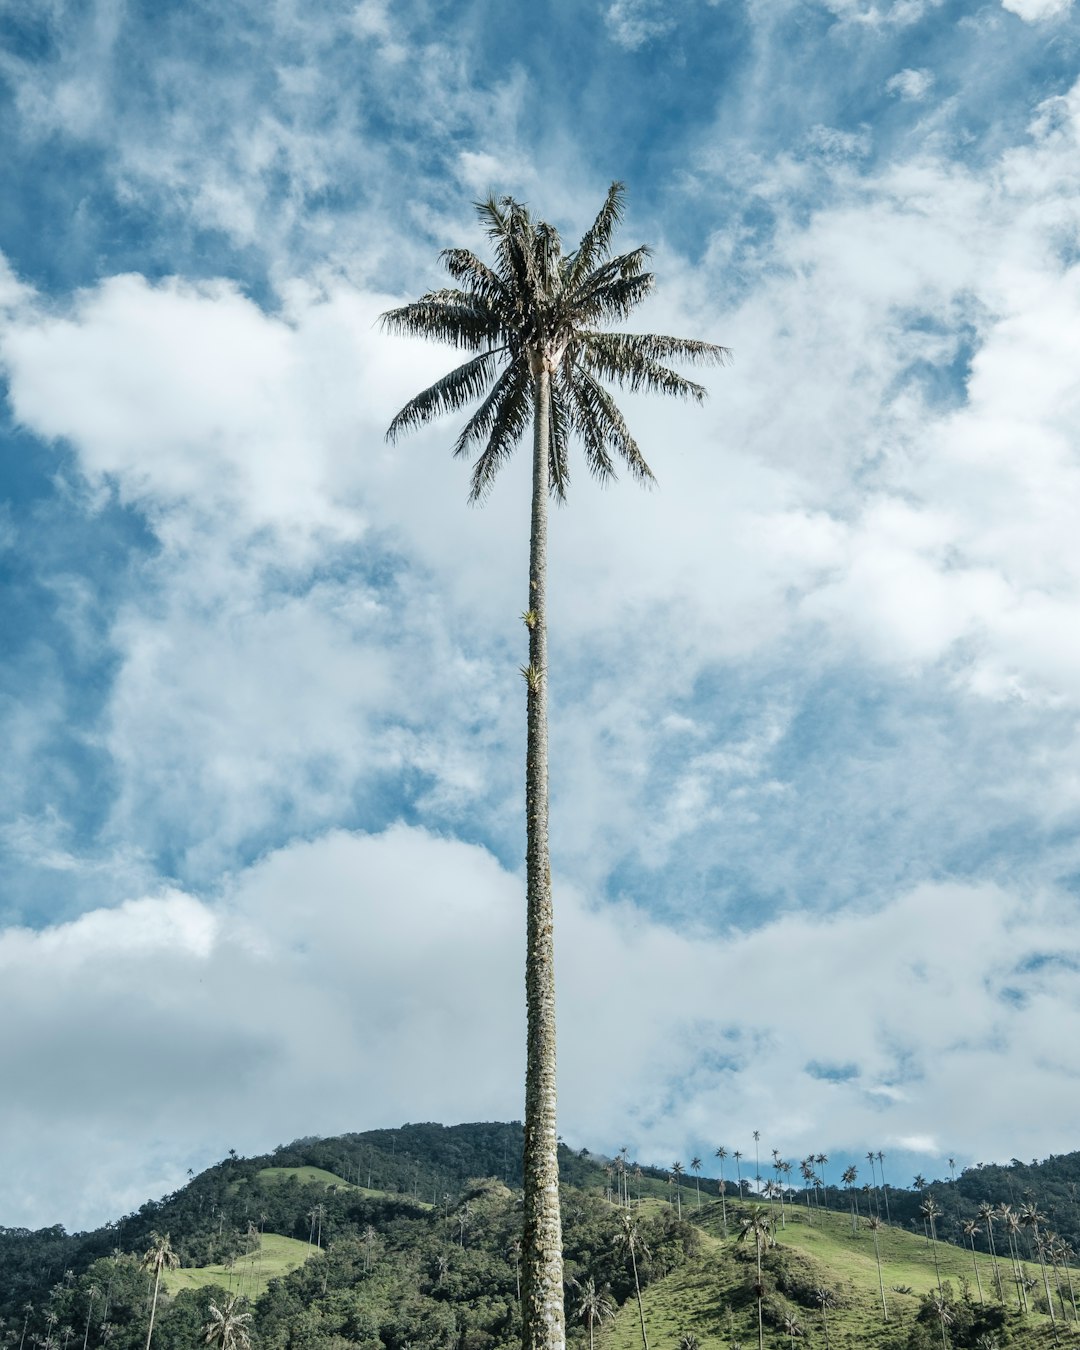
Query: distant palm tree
x=158, y=1256
x=738, y=1171
x=806, y=1170
x=28, y=1308
x=821, y=1160
x=1011, y=1223
x=986, y=1215
x=971, y=1227
x=695, y=1167
x=873, y=1178
x=941, y=1307
x=757, y=1159
x=874, y=1224
x=721, y=1154
x=1031, y=1218
x=884, y=1185
x=592, y=1307
x=931, y=1211
x=792, y=1327
x=756, y=1224
x=227, y=1328
x=92, y=1293
x=677, y=1171
x=629, y=1240
x=848, y=1178
x=825, y=1299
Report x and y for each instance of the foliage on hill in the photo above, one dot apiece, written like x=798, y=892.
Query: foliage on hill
x=404, y=1249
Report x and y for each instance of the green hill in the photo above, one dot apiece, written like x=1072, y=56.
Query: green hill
x=415, y=1234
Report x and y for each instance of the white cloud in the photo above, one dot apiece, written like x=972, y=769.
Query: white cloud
x=355, y=980
x=1035, y=11
x=910, y=84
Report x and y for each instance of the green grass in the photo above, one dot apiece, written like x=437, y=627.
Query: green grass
x=319, y=1176
x=711, y=1296
x=309, y=1176
x=249, y=1275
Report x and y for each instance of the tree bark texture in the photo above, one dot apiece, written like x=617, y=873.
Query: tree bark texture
x=543, y=1322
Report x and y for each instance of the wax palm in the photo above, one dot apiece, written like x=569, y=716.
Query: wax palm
x=534, y=325
x=756, y=1224
x=592, y=1306
x=971, y=1227
x=677, y=1171
x=1031, y=1218
x=825, y=1299
x=875, y=1225
x=628, y=1240
x=931, y=1212
x=986, y=1215
x=695, y=1167
x=227, y=1328
x=159, y=1256
x=721, y=1154
x=884, y=1185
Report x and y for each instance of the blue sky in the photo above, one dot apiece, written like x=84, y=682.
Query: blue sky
x=815, y=699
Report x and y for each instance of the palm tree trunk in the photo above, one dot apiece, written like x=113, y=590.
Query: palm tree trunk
x=543, y=1325
x=153, y=1307
x=640, y=1308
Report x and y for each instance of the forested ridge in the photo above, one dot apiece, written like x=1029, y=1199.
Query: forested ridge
x=414, y=1233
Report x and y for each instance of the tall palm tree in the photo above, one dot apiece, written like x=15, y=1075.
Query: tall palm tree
x=737, y=1155
x=629, y=1240
x=757, y=1159
x=931, y=1212
x=158, y=1256
x=825, y=1299
x=677, y=1171
x=884, y=1185
x=721, y=1154
x=986, y=1215
x=848, y=1178
x=971, y=1227
x=534, y=325
x=92, y=1293
x=695, y=1167
x=1010, y=1221
x=875, y=1225
x=1031, y=1218
x=756, y=1224
x=821, y=1160
x=592, y=1306
x=227, y=1327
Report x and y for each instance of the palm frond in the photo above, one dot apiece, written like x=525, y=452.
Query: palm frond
x=560, y=426
x=449, y=394
x=612, y=302
x=474, y=275
x=596, y=241
x=512, y=386
x=601, y=424
x=450, y=316
x=508, y=425
x=635, y=361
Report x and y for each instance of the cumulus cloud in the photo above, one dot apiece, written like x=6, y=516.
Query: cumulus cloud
x=1035, y=11
x=357, y=979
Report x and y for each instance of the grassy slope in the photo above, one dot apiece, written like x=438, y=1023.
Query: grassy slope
x=709, y=1296
x=250, y=1275
x=319, y=1176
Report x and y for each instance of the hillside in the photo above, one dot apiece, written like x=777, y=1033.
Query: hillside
x=407, y=1237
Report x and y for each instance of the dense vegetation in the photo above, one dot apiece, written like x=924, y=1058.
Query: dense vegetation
x=414, y=1241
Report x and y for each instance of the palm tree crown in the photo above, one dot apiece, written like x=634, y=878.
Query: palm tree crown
x=537, y=311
